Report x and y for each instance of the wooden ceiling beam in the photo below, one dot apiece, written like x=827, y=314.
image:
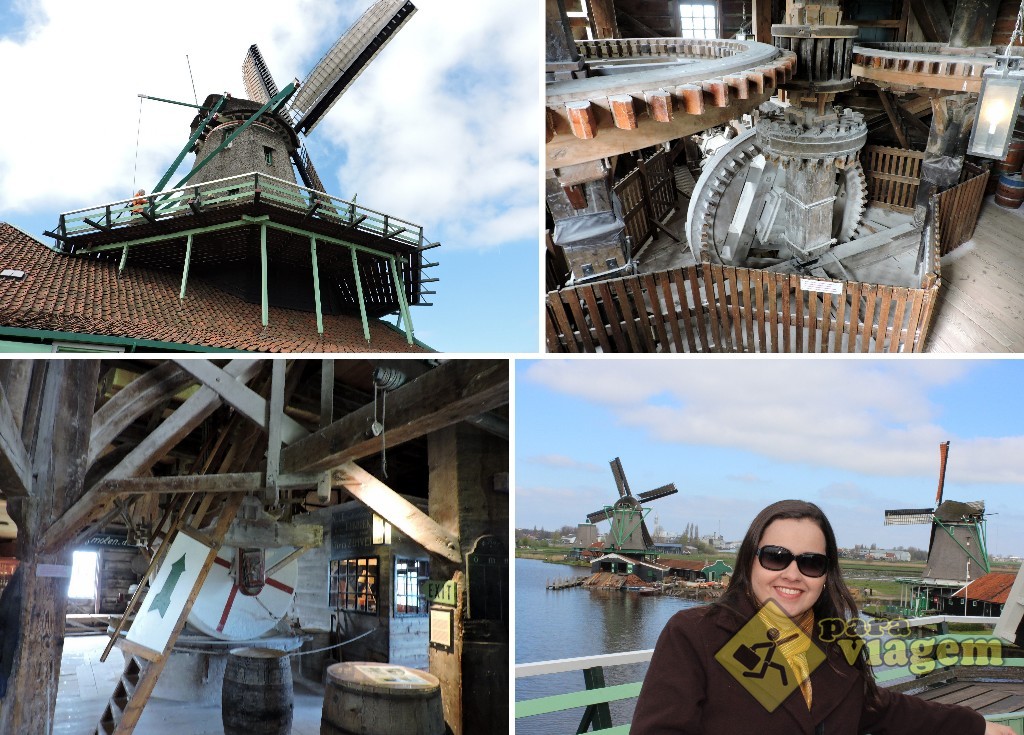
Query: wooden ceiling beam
x=448, y=394
x=242, y=398
x=15, y=464
x=397, y=511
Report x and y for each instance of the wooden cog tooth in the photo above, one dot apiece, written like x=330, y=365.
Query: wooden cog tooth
x=717, y=91
x=581, y=119
x=756, y=78
x=692, y=98
x=623, y=113
x=659, y=102
x=739, y=84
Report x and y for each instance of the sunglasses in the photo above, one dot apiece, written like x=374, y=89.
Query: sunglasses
x=777, y=558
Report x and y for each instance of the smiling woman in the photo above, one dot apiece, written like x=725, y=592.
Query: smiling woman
x=754, y=662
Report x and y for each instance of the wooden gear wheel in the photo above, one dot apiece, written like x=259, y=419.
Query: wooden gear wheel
x=719, y=198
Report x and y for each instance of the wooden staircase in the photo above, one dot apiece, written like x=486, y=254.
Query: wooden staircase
x=144, y=665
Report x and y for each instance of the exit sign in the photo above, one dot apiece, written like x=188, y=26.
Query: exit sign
x=440, y=592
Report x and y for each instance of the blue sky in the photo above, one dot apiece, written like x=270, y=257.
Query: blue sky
x=855, y=436
x=439, y=130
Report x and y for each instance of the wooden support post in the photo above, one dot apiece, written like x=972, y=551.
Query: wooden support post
x=265, y=297
x=316, y=287
x=15, y=475
x=933, y=19
x=403, y=305
x=184, y=270
x=762, y=20
x=57, y=447
x=973, y=23
x=894, y=118
x=275, y=418
x=359, y=295
x=323, y=486
x=602, y=19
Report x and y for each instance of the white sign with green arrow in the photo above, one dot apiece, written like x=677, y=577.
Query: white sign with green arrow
x=165, y=600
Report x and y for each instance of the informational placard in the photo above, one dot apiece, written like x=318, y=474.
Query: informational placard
x=442, y=628
x=166, y=598
x=392, y=675
x=811, y=284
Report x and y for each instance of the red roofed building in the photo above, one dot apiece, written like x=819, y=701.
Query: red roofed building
x=985, y=595
x=51, y=301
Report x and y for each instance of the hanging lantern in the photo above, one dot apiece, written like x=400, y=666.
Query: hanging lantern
x=998, y=105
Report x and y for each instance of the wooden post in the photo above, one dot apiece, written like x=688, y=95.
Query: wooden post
x=602, y=19
x=973, y=23
x=762, y=20
x=463, y=463
x=57, y=444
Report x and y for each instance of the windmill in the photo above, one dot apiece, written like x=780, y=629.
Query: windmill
x=239, y=219
x=628, y=531
x=958, y=536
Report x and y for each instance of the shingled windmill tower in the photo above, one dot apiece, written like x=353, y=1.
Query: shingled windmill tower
x=240, y=219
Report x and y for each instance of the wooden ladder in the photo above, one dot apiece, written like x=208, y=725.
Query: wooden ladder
x=144, y=665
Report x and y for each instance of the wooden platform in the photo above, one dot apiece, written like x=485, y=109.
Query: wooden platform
x=988, y=698
x=981, y=301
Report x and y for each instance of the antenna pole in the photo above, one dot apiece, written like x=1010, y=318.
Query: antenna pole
x=192, y=78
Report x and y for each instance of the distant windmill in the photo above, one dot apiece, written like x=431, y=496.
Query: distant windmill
x=629, y=530
x=958, y=532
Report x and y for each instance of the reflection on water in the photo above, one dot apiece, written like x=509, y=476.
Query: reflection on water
x=577, y=622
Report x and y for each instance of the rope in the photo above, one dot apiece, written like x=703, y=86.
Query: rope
x=294, y=653
x=138, y=130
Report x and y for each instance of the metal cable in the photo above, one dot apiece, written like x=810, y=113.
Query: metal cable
x=138, y=130
x=295, y=653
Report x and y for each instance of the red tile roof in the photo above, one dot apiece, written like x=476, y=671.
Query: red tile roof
x=993, y=587
x=695, y=566
x=85, y=296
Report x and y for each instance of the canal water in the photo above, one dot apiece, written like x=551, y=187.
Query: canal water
x=555, y=624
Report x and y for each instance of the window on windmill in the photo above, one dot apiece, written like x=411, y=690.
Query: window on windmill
x=353, y=584
x=410, y=574
x=83, y=576
x=268, y=153
x=698, y=19
x=12, y=273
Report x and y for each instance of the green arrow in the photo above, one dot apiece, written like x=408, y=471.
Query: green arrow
x=162, y=600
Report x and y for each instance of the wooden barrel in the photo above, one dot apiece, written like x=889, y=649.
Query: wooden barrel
x=1010, y=165
x=1010, y=192
x=257, y=698
x=365, y=698
x=312, y=665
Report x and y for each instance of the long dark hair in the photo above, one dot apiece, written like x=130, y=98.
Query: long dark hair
x=835, y=600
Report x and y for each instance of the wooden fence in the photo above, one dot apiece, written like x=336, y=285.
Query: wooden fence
x=713, y=308
x=647, y=195
x=892, y=176
x=957, y=208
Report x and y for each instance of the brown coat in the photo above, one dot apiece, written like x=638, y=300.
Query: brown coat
x=687, y=692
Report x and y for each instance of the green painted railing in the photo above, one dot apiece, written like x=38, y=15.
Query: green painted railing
x=239, y=190
x=591, y=698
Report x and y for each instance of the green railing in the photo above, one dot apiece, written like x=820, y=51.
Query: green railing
x=594, y=700
x=232, y=191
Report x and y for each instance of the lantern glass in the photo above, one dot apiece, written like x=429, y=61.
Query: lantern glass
x=997, y=113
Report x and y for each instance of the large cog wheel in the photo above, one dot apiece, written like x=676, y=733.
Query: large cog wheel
x=719, y=192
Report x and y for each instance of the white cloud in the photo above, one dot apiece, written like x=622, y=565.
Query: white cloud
x=439, y=130
x=560, y=461
x=848, y=415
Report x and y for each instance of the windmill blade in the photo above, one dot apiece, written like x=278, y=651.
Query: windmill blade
x=347, y=59
x=648, y=541
x=259, y=84
x=620, y=478
x=304, y=165
x=943, y=455
x=658, y=492
x=599, y=515
x=908, y=516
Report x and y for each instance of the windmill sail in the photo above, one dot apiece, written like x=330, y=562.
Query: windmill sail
x=259, y=84
x=620, y=478
x=347, y=59
x=908, y=516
